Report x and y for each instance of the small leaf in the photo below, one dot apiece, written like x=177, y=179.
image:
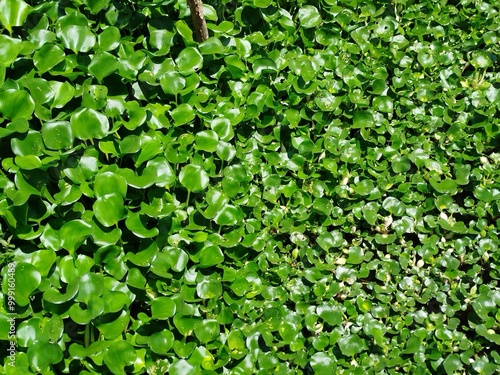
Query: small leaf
x=102, y=65
x=16, y=104
x=183, y=114
x=352, y=345
x=229, y=215
x=78, y=38
x=109, y=39
x=207, y=140
x=189, y=60
x=74, y=233
x=210, y=255
x=47, y=57
x=13, y=13
x=28, y=144
x=161, y=342
x=109, y=183
x=194, y=178
x=163, y=308
x=42, y=354
x=172, y=83
x=309, y=17
x=452, y=363
x=135, y=225
x=264, y=65
x=118, y=355
x=57, y=135
x=211, y=46
x=89, y=124
x=109, y=209
x=363, y=119
x=447, y=186
x=207, y=330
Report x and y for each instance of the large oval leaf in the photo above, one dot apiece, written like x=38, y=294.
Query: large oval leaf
x=57, y=135
x=109, y=209
x=16, y=104
x=78, y=38
x=194, y=178
x=89, y=124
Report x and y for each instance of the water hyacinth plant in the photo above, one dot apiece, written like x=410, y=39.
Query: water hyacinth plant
x=312, y=187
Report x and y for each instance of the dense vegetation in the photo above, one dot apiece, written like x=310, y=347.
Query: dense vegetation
x=314, y=189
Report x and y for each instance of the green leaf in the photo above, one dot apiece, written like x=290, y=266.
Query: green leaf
x=172, y=83
x=321, y=363
x=13, y=13
x=136, y=226
x=73, y=234
x=222, y=126
x=229, y=215
x=161, y=342
x=16, y=104
x=177, y=258
x=94, y=307
x=57, y=135
x=42, y=354
x=27, y=279
x=63, y=93
x=183, y=114
x=383, y=104
x=207, y=330
x=446, y=186
x=163, y=308
x=109, y=39
x=194, y=178
x=47, y=57
x=363, y=119
x=264, y=65
x=28, y=162
x=352, y=345
x=78, y=38
x=452, y=363
x=183, y=367
x=109, y=183
x=309, y=16
x=209, y=289
x=97, y=5
x=89, y=124
x=9, y=49
x=119, y=355
x=102, y=65
x=210, y=255
x=394, y=206
x=189, y=60
x=109, y=209
x=211, y=46
x=29, y=144
x=113, y=327
x=207, y=140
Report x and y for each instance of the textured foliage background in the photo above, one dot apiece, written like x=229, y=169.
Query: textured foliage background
x=314, y=189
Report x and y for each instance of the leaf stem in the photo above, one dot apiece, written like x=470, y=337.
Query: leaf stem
x=87, y=335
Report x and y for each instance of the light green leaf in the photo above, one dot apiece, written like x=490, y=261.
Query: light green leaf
x=102, y=65
x=47, y=57
x=194, y=178
x=189, y=60
x=78, y=38
x=89, y=124
x=109, y=209
x=57, y=135
x=13, y=13
x=16, y=104
x=309, y=16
